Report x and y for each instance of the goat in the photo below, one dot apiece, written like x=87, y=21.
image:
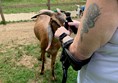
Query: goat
x=80, y=10
x=46, y=24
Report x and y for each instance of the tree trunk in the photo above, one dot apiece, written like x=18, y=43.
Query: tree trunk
x=2, y=16
x=48, y=4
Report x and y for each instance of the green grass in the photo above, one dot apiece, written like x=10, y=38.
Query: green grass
x=14, y=2
x=6, y=3
x=36, y=9
x=11, y=72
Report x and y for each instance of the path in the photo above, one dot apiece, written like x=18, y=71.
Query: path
x=17, y=33
x=25, y=16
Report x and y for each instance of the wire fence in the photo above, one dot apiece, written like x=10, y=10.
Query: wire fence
x=48, y=5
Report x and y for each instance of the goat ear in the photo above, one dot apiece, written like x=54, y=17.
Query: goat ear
x=35, y=16
x=51, y=19
x=63, y=11
x=58, y=11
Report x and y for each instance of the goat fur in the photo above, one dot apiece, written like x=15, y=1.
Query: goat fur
x=46, y=24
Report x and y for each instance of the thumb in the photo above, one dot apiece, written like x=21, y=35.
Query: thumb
x=71, y=23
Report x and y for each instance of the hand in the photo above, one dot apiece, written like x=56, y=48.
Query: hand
x=60, y=31
x=74, y=23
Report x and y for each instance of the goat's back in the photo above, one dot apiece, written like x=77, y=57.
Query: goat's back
x=41, y=29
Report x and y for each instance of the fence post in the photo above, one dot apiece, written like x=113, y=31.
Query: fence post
x=2, y=16
x=48, y=4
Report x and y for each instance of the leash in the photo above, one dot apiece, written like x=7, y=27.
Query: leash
x=73, y=28
x=67, y=58
x=65, y=66
x=64, y=60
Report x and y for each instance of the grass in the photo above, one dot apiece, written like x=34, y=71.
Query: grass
x=36, y=9
x=6, y=3
x=24, y=9
x=12, y=71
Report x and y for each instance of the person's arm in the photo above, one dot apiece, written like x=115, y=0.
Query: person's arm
x=96, y=28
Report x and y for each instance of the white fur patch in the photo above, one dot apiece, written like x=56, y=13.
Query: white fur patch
x=50, y=36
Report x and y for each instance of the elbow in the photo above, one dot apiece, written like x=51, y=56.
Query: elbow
x=75, y=51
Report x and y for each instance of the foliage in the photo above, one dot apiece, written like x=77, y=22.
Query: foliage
x=2, y=22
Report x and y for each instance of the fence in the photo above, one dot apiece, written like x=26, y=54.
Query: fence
x=48, y=5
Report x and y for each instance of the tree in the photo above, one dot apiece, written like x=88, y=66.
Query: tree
x=2, y=16
x=48, y=4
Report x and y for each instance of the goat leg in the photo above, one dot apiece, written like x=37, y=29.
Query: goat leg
x=53, y=58
x=43, y=61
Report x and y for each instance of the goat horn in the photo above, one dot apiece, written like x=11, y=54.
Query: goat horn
x=35, y=16
x=43, y=13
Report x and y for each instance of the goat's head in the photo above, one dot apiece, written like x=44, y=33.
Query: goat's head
x=57, y=18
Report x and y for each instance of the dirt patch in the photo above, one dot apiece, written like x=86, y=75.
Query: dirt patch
x=17, y=33
x=1, y=81
x=18, y=16
x=27, y=61
x=25, y=16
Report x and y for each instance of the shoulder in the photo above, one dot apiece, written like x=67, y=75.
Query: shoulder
x=100, y=16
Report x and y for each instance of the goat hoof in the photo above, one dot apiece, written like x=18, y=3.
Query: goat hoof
x=39, y=58
x=53, y=78
x=41, y=73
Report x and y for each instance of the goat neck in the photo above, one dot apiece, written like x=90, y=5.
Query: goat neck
x=54, y=25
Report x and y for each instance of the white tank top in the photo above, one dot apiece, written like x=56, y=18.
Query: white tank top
x=103, y=67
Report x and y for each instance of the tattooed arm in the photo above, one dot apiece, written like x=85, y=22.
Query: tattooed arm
x=96, y=27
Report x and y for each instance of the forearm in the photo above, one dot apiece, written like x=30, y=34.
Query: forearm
x=76, y=53
x=72, y=45
x=95, y=29
x=69, y=58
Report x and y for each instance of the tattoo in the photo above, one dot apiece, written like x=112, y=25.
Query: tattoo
x=93, y=12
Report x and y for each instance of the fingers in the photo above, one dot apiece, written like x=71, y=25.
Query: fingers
x=60, y=31
x=74, y=23
x=71, y=23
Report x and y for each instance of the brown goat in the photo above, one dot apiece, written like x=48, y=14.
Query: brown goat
x=46, y=24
